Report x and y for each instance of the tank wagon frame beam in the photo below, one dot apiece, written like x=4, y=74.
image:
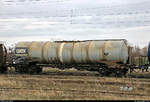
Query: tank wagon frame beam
x=103, y=69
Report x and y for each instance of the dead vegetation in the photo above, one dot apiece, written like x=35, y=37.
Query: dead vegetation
x=54, y=84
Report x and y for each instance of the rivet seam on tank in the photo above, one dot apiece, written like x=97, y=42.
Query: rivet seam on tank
x=44, y=50
x=127, y=54
x=103, y=50
x=87, y=53
x=30, y=48
x=121, y=48
x=71, y=53
x=73, y=60
x=60, y=52
x=89, y=48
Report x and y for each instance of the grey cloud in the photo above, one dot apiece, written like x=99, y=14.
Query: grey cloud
x=98, y=19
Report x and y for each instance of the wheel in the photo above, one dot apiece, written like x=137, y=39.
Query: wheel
x=32, y=69
x=120, y=73
x=19, y=69
x=16, y=69
x=3, y=69
x=103, y=72
x=39, y=70
x=131, y=70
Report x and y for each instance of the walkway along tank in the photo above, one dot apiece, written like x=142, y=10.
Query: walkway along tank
x=104, y=56
x=3, y=54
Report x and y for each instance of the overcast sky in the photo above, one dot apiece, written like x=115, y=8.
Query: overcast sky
x=49, y=20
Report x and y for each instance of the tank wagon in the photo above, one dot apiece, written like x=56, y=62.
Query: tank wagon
x=3, y=55
x=105, y=56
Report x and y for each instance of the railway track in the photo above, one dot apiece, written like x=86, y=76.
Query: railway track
x=90, y=82
x=79, y=73
x=78, y=91
x=103, y=85
x=75, y=78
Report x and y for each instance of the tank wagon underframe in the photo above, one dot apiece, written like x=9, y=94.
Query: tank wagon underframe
x=104, y=56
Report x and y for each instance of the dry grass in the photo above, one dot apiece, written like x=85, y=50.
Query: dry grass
x=87, y=86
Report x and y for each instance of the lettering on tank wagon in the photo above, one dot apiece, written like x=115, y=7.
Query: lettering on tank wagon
x=21, y=50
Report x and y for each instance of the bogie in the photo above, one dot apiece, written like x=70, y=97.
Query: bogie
x=28, y=69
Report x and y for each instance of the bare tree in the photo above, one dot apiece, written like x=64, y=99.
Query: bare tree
x=136, y=51
x=144, y=51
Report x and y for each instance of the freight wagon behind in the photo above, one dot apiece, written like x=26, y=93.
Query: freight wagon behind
x=3, y=55
x=105, y=56
x=149, y=52
x=140, y=62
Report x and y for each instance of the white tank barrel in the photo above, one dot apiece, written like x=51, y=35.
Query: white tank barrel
x=93, y=51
